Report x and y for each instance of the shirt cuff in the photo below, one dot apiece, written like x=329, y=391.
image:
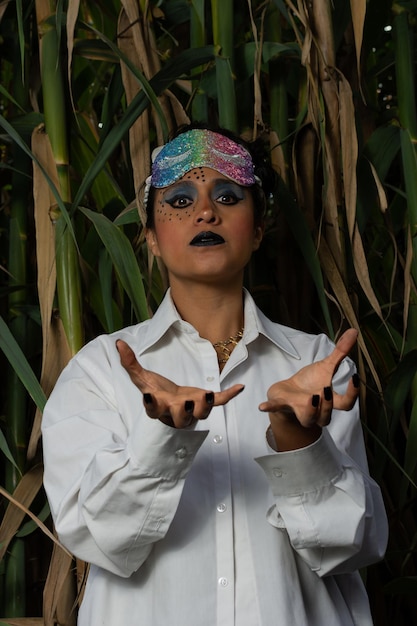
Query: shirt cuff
x=161, y=451
x=306, y=469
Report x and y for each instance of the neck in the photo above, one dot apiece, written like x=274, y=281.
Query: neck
x=215, y=312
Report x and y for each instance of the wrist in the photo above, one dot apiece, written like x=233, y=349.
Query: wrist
x=286, y=432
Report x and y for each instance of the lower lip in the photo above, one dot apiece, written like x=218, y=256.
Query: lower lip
x=207, y=244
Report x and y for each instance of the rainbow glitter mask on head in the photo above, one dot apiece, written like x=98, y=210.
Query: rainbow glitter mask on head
x=200, y=148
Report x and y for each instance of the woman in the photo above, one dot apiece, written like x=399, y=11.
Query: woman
x=209, y=463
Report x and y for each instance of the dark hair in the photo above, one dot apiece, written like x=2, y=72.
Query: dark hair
x=262, y=168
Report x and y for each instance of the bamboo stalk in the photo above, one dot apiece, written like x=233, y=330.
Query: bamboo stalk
x=199, y=106
x=222, y=20
x=278, y=99
x=404, y=67
x=55, y=112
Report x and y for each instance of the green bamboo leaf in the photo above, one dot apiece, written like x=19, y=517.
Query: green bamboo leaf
x=95, y=50
x=21, y=36
x=9, y=96
x=29, y=527
x=144, y=83
x=105, y=276
x=382, y=148
x=20, y=365
x=405, y=71
x=400, y=381
x=409, y=158
x=84, y=148
x=410, y=176
x=124, y=260
x=6, y=451
x=15, y=136
x=389, y=455
x=270, y=50
x=173, y=70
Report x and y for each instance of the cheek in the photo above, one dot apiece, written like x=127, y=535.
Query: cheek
x=165, y=213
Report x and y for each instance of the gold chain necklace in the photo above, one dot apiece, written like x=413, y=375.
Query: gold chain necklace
x=226, y=347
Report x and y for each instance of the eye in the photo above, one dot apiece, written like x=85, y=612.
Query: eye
x=228, y=193
x=179, y=202
x=178, y=199
x=228, y=198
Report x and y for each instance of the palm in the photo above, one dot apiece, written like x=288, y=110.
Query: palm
x=307, y=394
x=175, y=405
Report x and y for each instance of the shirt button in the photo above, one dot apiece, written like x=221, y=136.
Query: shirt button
x=277, y=472
x=223, y=582
x=221, y=507
x=181, y=453
x=210, y=379
x=217, y=438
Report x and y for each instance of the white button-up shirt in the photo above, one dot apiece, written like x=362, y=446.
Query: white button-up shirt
x=208, y=525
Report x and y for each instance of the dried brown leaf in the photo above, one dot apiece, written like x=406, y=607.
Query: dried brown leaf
x=349, y=150
x=23, y=496
x=72, y=14
x=382, y=196
x=60, y=593
x=55, y=349
x=339, y=289
x=358, y=12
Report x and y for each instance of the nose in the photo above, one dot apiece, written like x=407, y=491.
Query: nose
x=206, y=211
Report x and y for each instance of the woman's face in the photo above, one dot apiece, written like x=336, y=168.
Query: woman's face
x=204, y=227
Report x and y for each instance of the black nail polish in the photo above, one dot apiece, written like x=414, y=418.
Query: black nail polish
x=328, y=393
x=189, y=406
x=355, y=380
x=147, y=398
x=315, y=400
x=210, y=398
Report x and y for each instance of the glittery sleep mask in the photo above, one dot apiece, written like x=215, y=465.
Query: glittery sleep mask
x=200, y=148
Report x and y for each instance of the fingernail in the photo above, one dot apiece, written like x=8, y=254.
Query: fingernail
x=315, y=400
x=328, y=393
x=240, y=390
x=147, y=398
x=210, y=398
x=355, y=380
x=189, y=406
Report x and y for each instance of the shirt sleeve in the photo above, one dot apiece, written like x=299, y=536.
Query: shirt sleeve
x=113, y=476
x=325, y=499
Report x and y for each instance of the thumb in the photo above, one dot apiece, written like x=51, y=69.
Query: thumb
x=343, y=347
x=130, y=363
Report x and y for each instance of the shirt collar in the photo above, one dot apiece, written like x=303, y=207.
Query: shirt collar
x=256, y=323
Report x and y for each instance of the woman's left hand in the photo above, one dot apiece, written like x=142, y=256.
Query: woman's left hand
x=306, y=400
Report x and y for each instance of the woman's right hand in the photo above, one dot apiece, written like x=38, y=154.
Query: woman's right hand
x=172, y=404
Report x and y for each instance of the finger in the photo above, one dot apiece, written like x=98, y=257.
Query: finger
x=277, y=404
x=222, y=397
x=152, y=406
x=342, y=348
x=182, y=414
x=326, y=406
x=346, y=401
x=203, y=405
x=130, y=363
